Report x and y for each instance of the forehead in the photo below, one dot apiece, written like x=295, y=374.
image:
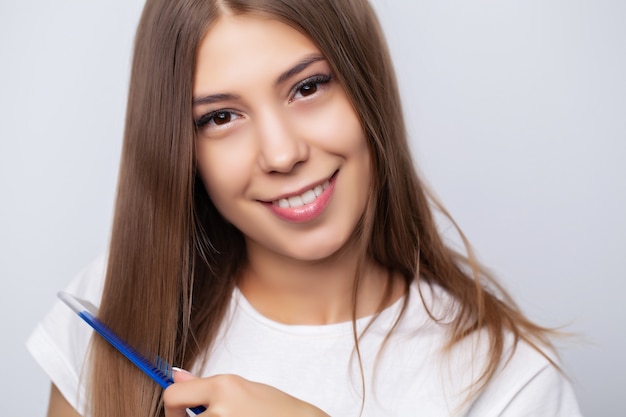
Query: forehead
x=235, y=46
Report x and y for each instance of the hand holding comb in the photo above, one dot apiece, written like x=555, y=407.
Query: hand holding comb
x=160, y=371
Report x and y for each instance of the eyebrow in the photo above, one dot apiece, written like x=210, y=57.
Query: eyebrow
x=296, y=69
x=213, y=98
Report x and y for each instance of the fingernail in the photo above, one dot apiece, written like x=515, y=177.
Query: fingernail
x=176, y=369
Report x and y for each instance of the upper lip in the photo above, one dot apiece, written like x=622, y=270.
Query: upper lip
x=300, y=190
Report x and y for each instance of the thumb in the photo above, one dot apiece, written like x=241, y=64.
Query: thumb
x=181, y=375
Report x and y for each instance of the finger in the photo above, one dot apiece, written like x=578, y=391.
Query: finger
x=175, y=407
x=187, y=391
x=173, y=411
x=181, y=375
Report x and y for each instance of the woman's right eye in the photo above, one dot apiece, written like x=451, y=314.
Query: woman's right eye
x=216, y=118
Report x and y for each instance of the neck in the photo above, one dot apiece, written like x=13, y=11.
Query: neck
x=315, y=292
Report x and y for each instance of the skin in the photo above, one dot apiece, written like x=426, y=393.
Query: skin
x=58, y=405
x=230, y=395
x=263, y=135
x=273, y=123
x=271, y=138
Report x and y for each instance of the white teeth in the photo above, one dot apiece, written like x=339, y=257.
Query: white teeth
x=306, y=197
x=296, y=201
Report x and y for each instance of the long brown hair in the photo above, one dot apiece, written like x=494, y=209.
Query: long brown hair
x=173, y=258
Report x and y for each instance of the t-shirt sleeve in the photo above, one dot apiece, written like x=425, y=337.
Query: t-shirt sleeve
x=548, y=393
x=528, y=386
x=59, y=343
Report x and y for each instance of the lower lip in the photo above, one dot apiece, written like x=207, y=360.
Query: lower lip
x=307, y=212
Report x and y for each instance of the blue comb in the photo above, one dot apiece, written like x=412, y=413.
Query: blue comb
x=160, y=371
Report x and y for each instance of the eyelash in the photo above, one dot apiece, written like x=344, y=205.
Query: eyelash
x=316, y=80
x=205, y=119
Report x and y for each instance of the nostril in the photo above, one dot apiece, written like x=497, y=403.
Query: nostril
x=287, y=169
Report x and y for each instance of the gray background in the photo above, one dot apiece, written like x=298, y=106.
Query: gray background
x=517, y=113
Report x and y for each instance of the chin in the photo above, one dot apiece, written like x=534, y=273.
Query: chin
x=318, y=253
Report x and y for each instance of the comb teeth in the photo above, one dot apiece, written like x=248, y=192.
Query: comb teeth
x=164, y=367
x=159, y=370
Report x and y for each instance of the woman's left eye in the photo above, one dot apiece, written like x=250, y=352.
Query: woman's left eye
x=310, y=86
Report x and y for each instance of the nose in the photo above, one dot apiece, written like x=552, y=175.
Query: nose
x=281, y=147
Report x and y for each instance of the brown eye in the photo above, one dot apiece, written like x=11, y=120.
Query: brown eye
x=308, y=89
x=221, y=118
x=310, y=86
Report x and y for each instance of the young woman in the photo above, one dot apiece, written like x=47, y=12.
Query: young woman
x=272, y=238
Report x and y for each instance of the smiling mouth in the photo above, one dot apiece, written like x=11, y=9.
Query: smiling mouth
x=305, y=198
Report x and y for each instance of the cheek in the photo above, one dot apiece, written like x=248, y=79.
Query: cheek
x=334, y=127
x=337, y=130
x=221, y=171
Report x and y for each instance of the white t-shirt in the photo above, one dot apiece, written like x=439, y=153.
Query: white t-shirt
x=317, y=364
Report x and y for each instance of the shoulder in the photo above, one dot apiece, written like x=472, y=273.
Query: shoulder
x=527, y=383
x=89, y=282
x=60, y=342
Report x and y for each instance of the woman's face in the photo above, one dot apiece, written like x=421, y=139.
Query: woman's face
x=280, y=149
